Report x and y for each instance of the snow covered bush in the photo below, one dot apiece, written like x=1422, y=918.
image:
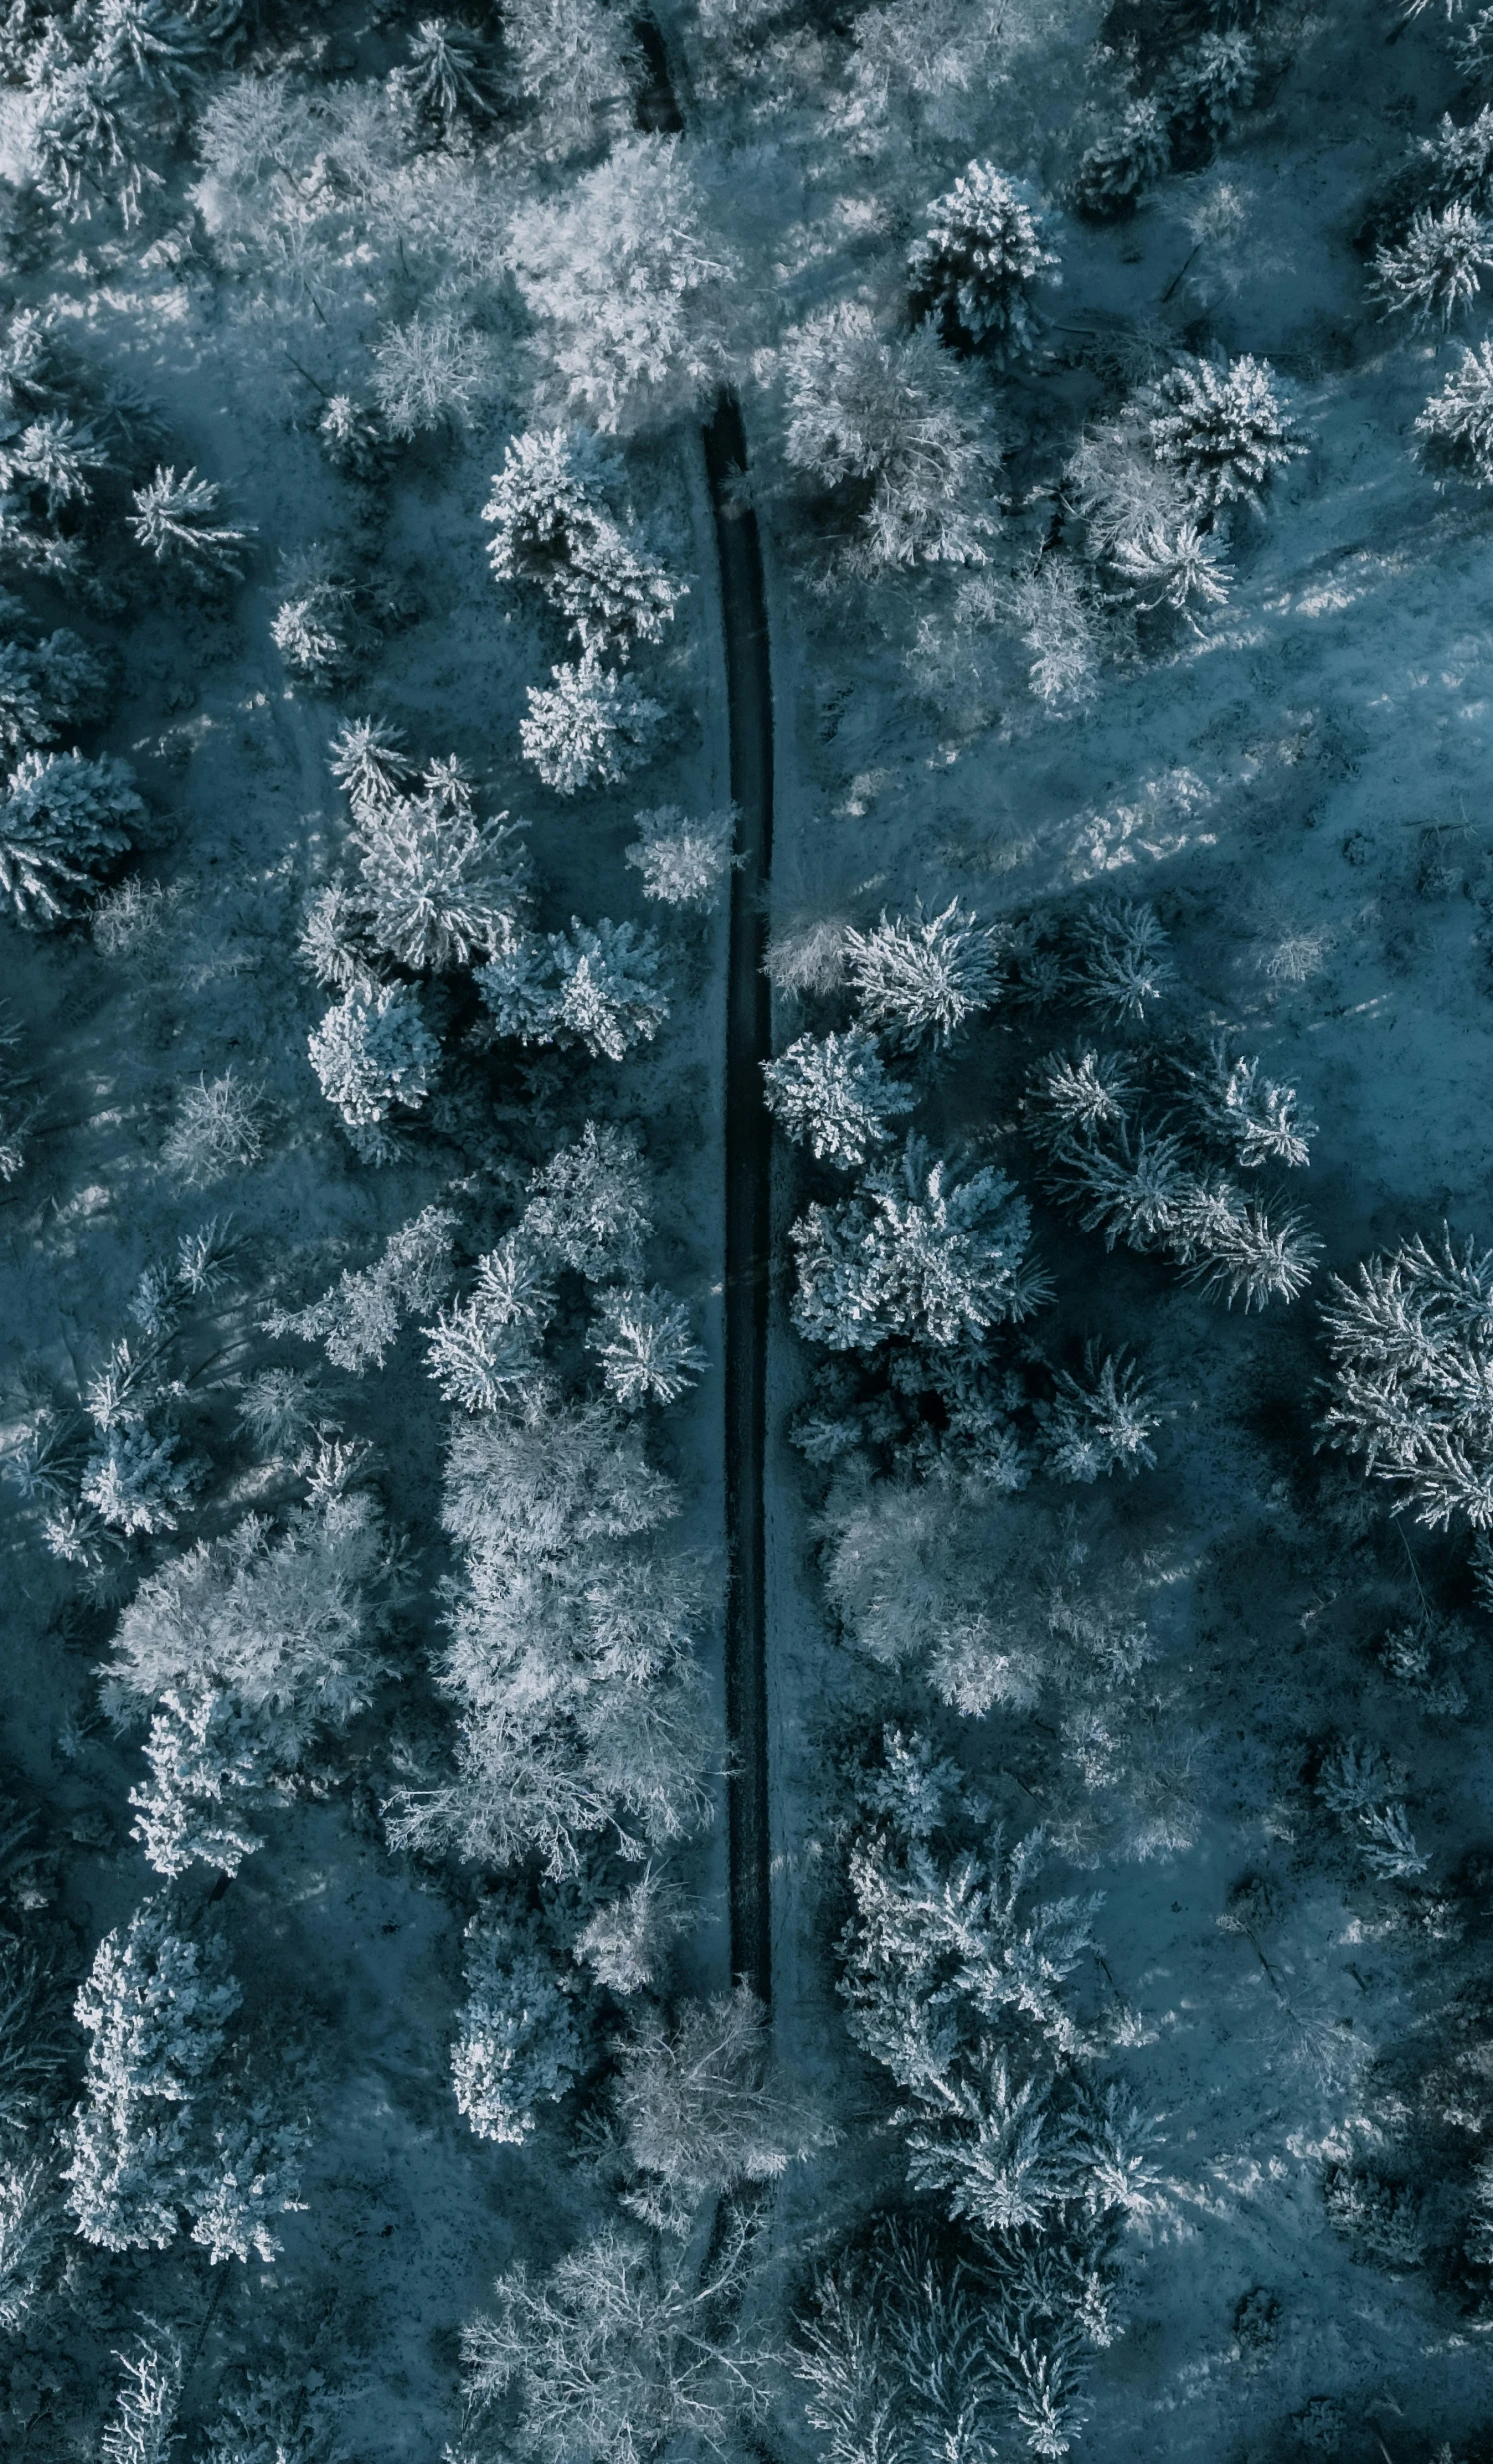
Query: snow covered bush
x=1124, y=161
x=1454, y=433
x=645, y=1346
x=517, y=2043
x=983, y=249
x=1101, y=1422
x=358, y=1319
x=921, y=1254
x=1436, y=271
x=176, y=518
x=436, y=885
x=553, y=527
x=1412, y=1372
x=372, y=1052
x=833, y=1095
x=701, y=2108
x=64, y=824
x=219, y=1128
x=312, y=628
x=683, y=862
x=897, y=432
x=588, y=727
x=630, y=286
x=432, y=373
x=919, y=977
x=1224, y=429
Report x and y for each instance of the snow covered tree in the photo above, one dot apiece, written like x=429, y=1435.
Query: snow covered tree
x=553, y=527
x=360, y=1318
x=209, y=1768
x=920, y=978
x=1222, y=427
x=312, y=628
x=893, y=2348
x=683, y=862
x=369, y=762
x=1129, y=1187
x=596, y=986
x=976, y=267
x=919, y=1254
x=352, y=436
x=1078, y=1095
x=1454, y=433
x=176, y=516
x=134, y=1479
x=1249, y=1114
x=45, y=688
x=219, y=1128
x=372, y=1052
x=625, y=1941
x=447, y=79
x=334, y=943
x=1101, y=1422
x=571, y=59
x=141, y=2428
x=1436, y=271
x=588, y=727
x=701, y=2108
x=286, y=1625
x=588, y=1206
x=431, y=373
x=437, y=886
x=517, y=2043
x=630, y=286
x=1413, y=1373
x=1204, y=89
x=483, y=1351
x=897, y=431
x=64, y=824
x=1124, y=161
x=627, y=2347
x=1122, y=966
x=833, y=1095
x=154, y=2006
x=645, y=1346
x=1362, y=1788
x=1172, y=567
x=249, y=2176
x=1241, y=1253
x=29, y=2235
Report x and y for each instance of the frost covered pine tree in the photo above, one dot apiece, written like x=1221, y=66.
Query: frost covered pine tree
x=1124, y=161
x=1435, y=273
x=64, y=824
x=1221, y=425
x=920, y=978
x=436, y=885
x=1172, y=567
x=834, y=1094
x=1412, y=1369
x=553, y=527
x=683, y=862
x=517, y=2047
x=647, y=1349
x=177, y=518
x=373, y=1052
x=1453, y=435
x=981, y=258
x=431, y=373
x=590, y=727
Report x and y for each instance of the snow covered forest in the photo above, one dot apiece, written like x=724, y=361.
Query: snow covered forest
x=745, y=1231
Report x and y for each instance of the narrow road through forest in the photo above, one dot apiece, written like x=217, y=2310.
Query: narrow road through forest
x=748, y=1155
x=749, y=1043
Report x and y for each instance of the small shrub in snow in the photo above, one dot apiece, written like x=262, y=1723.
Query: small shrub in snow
x=1436, y=271
x=588, y=727
x=1124, y=162
x=1454, y=433
x=833, y=1095
x=1100, y=1422
x=899, y=416
x=1222, y=428
x=919, y=1254
x=1412, y=1372
x=1174, y=568
x=985, y=248
x=516, y=2045
x=431, y=373
x=553, y=527
x=1122, y=965
x=588, y=1206
x=219, y=1126
x=920, y=978
x=683, y=862
x=175, y=516
x=372, y=1052
x=64, y=823
x=645, y=1348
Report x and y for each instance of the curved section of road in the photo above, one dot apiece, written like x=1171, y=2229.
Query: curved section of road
x=749, y=1043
